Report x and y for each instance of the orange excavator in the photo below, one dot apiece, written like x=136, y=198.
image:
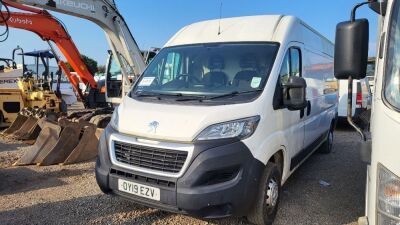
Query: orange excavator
x=68, y=139
x=49, y=29
x=75, y=137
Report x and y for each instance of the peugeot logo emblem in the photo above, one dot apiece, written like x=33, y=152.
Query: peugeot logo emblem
x=153, y=127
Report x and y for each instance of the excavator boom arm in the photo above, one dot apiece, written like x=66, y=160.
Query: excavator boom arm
x=105, y=14
x=48, y=28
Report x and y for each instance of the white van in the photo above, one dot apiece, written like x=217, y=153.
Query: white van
x=220, y=118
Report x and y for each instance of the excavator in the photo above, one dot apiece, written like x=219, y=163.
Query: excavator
x=125, y=51
x=20, y=89
x=69, y=142
x=49, y=29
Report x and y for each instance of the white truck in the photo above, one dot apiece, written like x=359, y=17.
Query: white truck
x=382, y=151
x=221, y=117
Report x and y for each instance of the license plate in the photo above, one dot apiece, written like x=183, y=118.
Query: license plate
x=139, y=189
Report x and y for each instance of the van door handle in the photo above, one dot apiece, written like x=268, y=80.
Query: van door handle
x=308, y=108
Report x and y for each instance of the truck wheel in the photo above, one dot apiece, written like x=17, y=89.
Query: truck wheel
x=266, y=205
x=363, y=119
x=327, y=146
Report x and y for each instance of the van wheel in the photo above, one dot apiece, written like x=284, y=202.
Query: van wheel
x=327, y=146
x=266, y=205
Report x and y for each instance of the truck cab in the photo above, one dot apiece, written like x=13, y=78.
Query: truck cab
x=381, y=151
x=383, y=183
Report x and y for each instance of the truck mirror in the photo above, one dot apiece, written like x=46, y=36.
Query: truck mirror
x=351, y=49
x=294, y=92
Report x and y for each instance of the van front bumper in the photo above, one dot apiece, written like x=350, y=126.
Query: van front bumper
x=221, y=180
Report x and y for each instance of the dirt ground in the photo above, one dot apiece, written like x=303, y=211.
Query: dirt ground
x=326, y=189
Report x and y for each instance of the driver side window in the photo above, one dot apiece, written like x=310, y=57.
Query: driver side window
x=291, y=65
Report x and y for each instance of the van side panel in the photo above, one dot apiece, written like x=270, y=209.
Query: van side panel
x=321, y=94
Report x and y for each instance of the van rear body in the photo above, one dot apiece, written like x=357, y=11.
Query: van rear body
x=362, y=97
x=207, y=126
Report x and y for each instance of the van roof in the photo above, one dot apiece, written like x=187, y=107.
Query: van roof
x=261, y=28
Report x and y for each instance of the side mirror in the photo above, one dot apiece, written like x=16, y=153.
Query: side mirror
x=294, y=94
x=351, y=49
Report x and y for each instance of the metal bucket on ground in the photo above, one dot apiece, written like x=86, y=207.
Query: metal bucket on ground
x=16, y=125
x=69, y=139
x=50, y=132
x=87, y=148
x=28, y=129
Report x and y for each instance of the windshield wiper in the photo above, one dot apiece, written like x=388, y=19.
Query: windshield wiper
x=156, y=94
x=232, y=94
x=191, y=98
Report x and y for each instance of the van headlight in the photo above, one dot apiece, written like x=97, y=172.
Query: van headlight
x=115, y=119
x=241, y=129
x=388, y=197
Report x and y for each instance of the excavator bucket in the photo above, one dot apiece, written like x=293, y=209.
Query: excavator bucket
x=46, y=140
x=69, y=139
x=16, y=125
x=87, y=148
x=28, y=131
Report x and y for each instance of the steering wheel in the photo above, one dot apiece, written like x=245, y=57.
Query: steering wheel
x=186, y=77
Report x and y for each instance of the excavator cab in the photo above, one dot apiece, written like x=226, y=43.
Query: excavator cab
x=113, y=78
x=43, y=79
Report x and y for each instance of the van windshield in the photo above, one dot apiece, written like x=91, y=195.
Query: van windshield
x=214, y=72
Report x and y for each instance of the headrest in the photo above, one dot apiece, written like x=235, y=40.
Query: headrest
x=248, y=61
x=216, y=62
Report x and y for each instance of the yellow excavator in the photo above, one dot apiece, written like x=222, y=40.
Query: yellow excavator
x=21, y=88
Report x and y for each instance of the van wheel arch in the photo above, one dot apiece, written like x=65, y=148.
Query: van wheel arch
x=278, y=159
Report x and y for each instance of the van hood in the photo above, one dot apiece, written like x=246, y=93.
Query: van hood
x=179, y=123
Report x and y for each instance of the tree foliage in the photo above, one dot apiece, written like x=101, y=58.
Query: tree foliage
x=90, y=63
x=101, y=69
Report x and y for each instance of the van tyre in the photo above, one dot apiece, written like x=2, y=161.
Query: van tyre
x=327, y=146
x=266, y=204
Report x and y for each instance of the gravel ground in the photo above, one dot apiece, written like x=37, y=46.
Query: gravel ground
x=69, y=194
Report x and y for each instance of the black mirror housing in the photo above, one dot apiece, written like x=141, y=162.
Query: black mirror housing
x=379, y=7
x=351, y=49
x=295, y=93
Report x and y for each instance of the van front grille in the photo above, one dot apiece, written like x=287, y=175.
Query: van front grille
x=152, y=181
x=164, y=160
